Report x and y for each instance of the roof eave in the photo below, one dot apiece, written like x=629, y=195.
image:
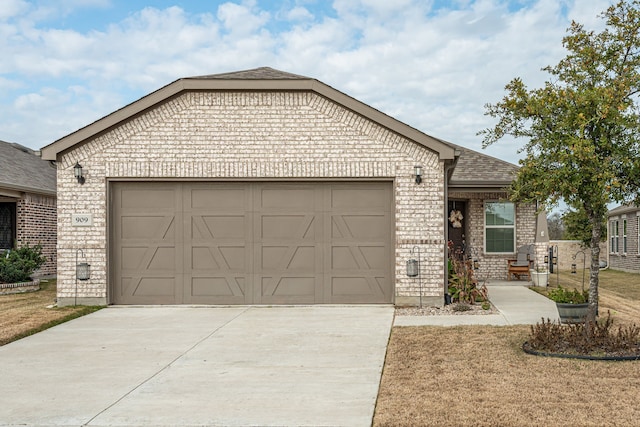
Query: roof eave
x=479, y=186
x=25, y=189
x=50, y=152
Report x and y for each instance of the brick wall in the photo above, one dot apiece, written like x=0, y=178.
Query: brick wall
x=36, y=224
x=619, y=259
x=246, y=135
x=494, y=266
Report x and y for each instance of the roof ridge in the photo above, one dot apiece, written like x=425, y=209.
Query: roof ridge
x=260, y=73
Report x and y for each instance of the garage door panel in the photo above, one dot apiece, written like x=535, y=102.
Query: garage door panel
x=147, y=227
x=287, y=197
x=357, y=257
x=226, y=258
x=148, y=290
x=288, y=258
x=252, y=243
x=226, y=197
x=218, y=227
x=289, y=290
x=359, y=227
x=227, y=286
x=288, y=227
x=144, y=198
x=363, y=197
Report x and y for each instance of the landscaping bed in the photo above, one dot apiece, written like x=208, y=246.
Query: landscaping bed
x=480, y=376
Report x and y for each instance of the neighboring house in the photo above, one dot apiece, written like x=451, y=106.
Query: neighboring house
x=28, y=202
x=623, y=227
x=265, y=187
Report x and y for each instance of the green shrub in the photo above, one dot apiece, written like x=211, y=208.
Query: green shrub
x=563, y=295
x=18, y=265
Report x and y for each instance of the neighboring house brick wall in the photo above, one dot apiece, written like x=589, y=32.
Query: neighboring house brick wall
x=245, y=135
x=494, y=266
x=619, y=260
x=37, y=225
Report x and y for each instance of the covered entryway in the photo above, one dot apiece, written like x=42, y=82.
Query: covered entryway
x=251, y=242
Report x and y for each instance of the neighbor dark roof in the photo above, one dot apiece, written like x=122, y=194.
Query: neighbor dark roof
x=479, y=171
x=259, y=79
x=23, y=171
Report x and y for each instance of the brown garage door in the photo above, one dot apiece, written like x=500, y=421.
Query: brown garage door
x=251, y=243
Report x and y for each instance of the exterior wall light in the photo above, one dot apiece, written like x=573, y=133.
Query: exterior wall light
x=77, y=172
x=418, y=173
x=83, y=272
x=413, y=269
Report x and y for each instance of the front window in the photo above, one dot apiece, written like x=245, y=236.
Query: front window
x=614, y=236
x=500, y=227
x=7, y=225
x=624, y=236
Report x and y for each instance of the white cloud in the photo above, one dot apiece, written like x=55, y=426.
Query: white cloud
x=240, y=19
x=11, y=8
x=299, y=13
x=432, y=69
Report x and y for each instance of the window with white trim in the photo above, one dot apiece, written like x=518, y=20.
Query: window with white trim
x=624, y=236
x=614, y=236
x=499, y=227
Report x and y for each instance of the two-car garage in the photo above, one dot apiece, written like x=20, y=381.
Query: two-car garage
x=251, y=187
x=190, y=242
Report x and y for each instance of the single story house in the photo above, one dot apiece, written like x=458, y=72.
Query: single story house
x=28, y=202
x=266, y=187
x=623, y=226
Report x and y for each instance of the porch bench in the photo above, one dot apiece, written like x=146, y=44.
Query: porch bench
x=518, y=270
x=522, y=264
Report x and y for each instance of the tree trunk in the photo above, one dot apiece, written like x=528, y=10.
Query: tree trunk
x=596, y=234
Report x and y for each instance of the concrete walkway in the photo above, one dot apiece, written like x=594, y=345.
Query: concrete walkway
x=517, y=305
x=197, y=366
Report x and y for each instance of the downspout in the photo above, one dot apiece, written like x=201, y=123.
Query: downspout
x=448, y=171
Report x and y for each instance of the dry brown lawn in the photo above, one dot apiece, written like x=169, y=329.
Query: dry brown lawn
x=479, y=376
x=27, y=313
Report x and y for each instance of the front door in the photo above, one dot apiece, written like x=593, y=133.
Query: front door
x=457, y=221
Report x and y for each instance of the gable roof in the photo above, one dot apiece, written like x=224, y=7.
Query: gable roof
x=23, y=171
x=261, y=79
x=477, y=171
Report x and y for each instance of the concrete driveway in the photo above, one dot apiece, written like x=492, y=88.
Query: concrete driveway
x=195, y=366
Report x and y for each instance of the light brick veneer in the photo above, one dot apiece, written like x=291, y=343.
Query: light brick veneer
x=242, y=136
x=495, y=266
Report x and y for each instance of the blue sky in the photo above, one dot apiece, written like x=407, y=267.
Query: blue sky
x=432, y=64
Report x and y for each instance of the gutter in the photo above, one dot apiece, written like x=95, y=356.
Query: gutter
x=448, y=171
x=24, y=189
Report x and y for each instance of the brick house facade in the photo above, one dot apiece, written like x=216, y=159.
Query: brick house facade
x=28, y=203
x=623, y=243
x=254, y=129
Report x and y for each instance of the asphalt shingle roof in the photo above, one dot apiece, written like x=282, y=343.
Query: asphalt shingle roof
x=262, y=73
x=475, y=168
x=22, y=170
